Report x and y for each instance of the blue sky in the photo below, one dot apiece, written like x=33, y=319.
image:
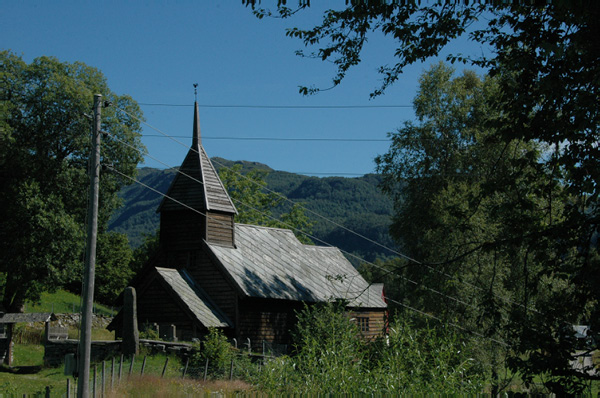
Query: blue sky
x=155, y=51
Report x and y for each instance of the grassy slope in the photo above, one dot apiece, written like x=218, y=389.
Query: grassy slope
x=63, y=302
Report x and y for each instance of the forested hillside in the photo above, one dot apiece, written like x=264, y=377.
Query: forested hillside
x=331, y=202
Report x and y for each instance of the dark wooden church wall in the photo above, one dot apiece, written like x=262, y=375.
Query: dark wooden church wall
x=155, y=305
x=269, y=320
x=181, y=230
x=212, y=281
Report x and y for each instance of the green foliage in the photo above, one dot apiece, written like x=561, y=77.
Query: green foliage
x=490, y=220
x=113, y=268
x=147, y=332
x=255, y=206
x=28, y=333
x=426, y=360
x=330, y=355
x=43, y=163
x=216, y=349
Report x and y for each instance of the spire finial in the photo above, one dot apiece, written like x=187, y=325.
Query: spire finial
x=195, y=92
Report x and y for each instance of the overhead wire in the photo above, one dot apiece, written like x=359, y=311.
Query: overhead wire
x=281, y=139
x=281, y=106
x=406, y=257
x=329, y=245
x=292, y=227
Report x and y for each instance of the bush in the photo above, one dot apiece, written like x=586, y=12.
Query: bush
x=149, y=333
x=217, y=350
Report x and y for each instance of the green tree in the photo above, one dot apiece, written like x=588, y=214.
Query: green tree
x=45, y=141
x=546, y=67
x=257, y=207
x=113, y=266
x=480, y=215
x=543, y=54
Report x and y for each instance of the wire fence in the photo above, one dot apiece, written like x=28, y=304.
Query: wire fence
x=107, y=375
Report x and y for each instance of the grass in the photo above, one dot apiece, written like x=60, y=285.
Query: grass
x=63, y=302
x=158, y=387
x=34, y=377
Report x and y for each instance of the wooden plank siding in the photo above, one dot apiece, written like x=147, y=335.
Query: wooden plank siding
x=219, y=229
x=269, y=320
x=218, y=288
x=155, y=305
x=181, y=230
x=371, y=322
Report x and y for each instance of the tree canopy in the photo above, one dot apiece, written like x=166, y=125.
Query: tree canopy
x=257, y=207
x=480, y=216
x=44, y=145
x=501, y=176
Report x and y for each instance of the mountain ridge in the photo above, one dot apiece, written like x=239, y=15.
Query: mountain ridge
x=354, y=203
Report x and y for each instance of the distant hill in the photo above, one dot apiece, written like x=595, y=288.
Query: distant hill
x=354, y=203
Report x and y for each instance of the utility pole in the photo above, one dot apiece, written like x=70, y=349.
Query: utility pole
x=85, y=340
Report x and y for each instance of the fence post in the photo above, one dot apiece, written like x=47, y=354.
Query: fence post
x=48, y=387
x=205, y=369
x=231, y=370
x=131, y=365
x=103, y=380
x=165, y=368
x=68, y=387
x=187, y=362
x=94, y=395
x=143, y=366
x=112, y=373
x=121, y=368
x=249, y=346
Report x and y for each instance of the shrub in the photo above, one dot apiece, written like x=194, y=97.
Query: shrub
x=217, y=350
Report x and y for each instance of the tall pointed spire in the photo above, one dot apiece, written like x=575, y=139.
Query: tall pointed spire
x=196, y=139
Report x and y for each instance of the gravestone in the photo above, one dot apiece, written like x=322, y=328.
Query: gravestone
x=131, y=335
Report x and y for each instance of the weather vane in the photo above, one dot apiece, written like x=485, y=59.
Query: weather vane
x=195, y=91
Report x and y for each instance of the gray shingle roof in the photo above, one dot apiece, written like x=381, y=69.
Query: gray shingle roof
x=192, y=296
x=199, y=186
x=273, y=263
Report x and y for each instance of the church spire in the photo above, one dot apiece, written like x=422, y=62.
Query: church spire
x=196, y=139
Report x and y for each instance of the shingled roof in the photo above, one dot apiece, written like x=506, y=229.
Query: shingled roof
x=273, y=263
x=194, y=298
x=198, y=184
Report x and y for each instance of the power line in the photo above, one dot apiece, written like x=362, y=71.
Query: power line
x=279, y=139
x=429, y=267
x=314, y=238
x=289, y=226
x=281, y=106
x=423, y=313
x=360, y=293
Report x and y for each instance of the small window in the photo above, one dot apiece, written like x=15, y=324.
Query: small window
x=363, y=323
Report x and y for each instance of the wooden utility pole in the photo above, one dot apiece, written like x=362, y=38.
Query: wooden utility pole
x=85, y=340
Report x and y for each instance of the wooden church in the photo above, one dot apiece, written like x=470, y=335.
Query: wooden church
x=247, y=280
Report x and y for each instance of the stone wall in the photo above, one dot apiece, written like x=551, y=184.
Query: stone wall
x=55, y=350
